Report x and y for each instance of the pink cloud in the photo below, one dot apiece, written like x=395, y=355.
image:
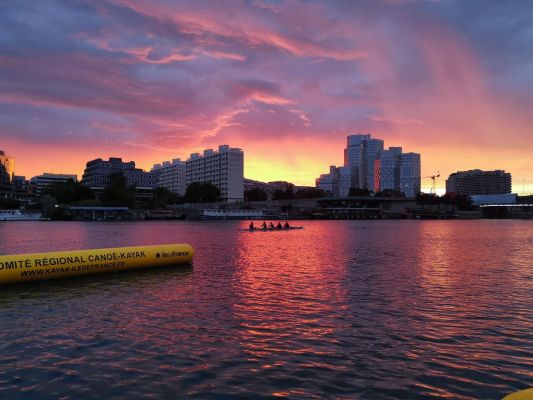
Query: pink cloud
x=172, y=77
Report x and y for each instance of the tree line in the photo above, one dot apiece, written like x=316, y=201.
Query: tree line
x=290, y=192
x=120, y=193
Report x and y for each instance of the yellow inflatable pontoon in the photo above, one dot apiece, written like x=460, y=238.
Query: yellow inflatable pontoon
x=526, y=394
x=40, y=266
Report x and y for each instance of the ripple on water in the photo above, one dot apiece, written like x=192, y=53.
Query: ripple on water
x=342, y=309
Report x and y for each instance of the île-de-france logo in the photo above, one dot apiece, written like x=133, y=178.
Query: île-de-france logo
x=164, y=254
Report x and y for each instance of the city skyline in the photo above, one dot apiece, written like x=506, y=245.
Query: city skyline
x=285, y=81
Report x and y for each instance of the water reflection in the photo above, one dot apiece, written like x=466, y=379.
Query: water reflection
x=289, y=296
x=348, y=309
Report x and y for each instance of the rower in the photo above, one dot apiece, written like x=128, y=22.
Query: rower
x=271, y=225
x=251, y=226
x=264, y=225
x=286, y=226
x=279, y=225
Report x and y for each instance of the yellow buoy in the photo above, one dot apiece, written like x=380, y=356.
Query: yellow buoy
x=526, y=394
x=39, y=266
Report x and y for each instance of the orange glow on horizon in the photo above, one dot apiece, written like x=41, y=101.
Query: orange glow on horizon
x=293, y=161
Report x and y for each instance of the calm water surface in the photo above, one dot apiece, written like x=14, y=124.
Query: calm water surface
x=342, y=309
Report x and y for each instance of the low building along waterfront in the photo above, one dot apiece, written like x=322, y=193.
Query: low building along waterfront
x=479, y=182
x=98, y=173
x=39, y=183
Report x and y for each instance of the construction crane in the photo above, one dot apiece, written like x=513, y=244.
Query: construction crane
x=433, y=180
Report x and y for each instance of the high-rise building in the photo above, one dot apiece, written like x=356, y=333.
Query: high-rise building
x=39, y=183
x=7, y=172
x=373, y=149
x=387, y=170
x=355, y=157
x=223, y=168
x=171, y=175
x=399, y=171
x=410, y=174
x=476, y=181
x=360, y=154
x=98, y=173
x=368, y=166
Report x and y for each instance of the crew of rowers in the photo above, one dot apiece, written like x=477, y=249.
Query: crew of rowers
x=269, y=226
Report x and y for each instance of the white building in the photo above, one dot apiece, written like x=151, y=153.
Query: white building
x=410, y=174
x=223, y=168
x=171, y=175
x=41, y=182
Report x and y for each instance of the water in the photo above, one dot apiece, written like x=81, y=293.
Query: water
x=342, y=309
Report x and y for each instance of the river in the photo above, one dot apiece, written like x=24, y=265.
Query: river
x=341, y=309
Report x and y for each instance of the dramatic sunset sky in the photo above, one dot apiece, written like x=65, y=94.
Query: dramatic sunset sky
x=286, y=81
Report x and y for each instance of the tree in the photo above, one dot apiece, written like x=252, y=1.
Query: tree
x=463, y=202
x=255, y=194
x=425, y=199
x=48, y=204
x=7, y=203
x=358, y=192
x=69, y=192
x=162, y=196
x=308, y=193
x=286, y=194
x=118, y=193
x=202, y=192
x=390, y=193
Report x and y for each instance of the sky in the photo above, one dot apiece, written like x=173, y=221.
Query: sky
x=286, y=81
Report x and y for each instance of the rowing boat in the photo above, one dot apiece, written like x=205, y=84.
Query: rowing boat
x=291, y=228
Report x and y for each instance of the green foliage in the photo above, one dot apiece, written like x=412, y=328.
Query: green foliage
x=48, y=205
x=358, y=192
x=118, y=193
x=202, y=192
x=68, y=192
x=7, y=203
x=460, y=201
x=390, y=193
x=309, y=193
x=162, y=197
x=463, y=202
x=61, y=214
x=286, y=194
x=425, y=199
x=255, y=194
